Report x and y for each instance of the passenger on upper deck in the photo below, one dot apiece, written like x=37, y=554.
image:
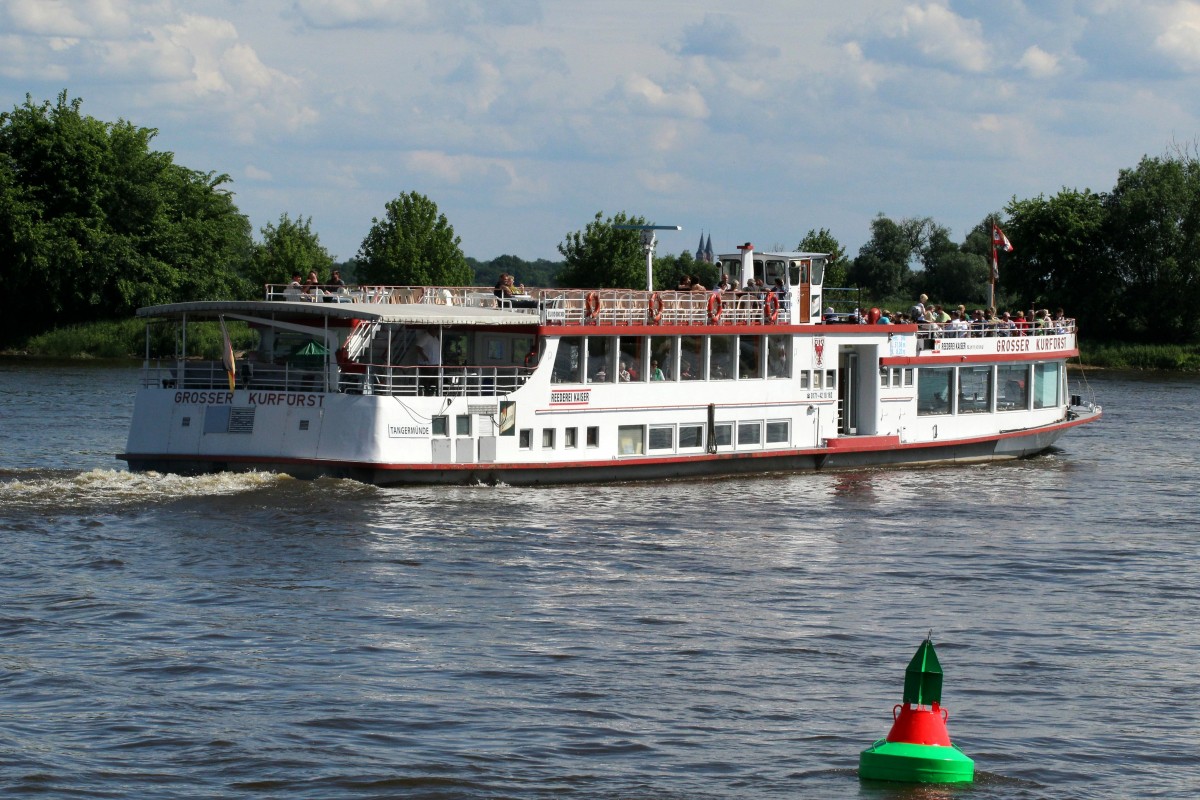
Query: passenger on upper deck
x=685, y=284
x=312, y=286
x=723, y=284
x=656, y=374
x=918, y=310
x=697, y=286
x=885, y=318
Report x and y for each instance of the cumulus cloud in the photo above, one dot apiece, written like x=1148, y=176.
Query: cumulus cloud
x=1180, y=41
x=644, y=94
x=1038, y=63
x=85, y=18
x=944, y=37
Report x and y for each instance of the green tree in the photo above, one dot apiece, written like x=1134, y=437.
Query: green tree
x=413, y=245
x=288, y=248
x=822, y=241
x=1153, y=225
x=952, y=273
x=93, y=223
x=602, y=256
x=1060, y=257
x=882, y=263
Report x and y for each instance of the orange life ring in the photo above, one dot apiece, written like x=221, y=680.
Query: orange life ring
x=656, y=308
x=591, y=305
x=714, y=308
x=771, y=308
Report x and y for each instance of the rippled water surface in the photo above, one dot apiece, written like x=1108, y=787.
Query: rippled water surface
x=257, y=636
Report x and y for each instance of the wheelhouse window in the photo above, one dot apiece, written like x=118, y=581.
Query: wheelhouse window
x=568, y=360
x=935, y=387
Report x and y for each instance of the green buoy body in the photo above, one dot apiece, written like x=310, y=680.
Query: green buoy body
x=915, y=763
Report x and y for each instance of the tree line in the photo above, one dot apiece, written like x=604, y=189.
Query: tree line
x=94, y=224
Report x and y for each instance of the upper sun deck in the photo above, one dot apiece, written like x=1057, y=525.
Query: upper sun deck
x=570, y=307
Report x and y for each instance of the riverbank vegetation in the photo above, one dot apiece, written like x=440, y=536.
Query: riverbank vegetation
x=95, y=224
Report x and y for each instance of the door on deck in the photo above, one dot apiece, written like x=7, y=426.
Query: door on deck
x=847, y=393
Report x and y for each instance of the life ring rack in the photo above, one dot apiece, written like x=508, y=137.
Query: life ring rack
x=771, y=308
x=656, y=308
x=591, y=305
x=714, y=308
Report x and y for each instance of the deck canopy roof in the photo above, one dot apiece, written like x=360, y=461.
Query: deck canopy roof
x=313, y=313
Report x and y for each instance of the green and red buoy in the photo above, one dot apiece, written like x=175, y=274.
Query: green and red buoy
x=918, y=747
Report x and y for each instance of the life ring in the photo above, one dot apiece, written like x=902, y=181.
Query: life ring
x=771, y=308
x=714, y=308
x=591, y=306
x=656, y=308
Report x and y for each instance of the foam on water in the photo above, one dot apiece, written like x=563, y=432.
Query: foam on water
x=111, y=487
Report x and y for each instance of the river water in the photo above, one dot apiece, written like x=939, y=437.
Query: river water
x=258, y=636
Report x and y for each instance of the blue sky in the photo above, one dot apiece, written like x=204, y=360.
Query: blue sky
x=753, y=121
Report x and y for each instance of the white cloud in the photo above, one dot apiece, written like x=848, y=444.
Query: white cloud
x=1180, y=42
x=255, y=173
x=84, y=18
x=944, y=37
x=361, y=13
x=1037, y=63
x=646, y=95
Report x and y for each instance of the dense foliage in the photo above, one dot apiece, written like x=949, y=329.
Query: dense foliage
x=94, y=224
x=289, y=248
x=413, y=245
x=603, y=256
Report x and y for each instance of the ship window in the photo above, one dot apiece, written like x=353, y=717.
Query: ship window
x=779, y=356
x=1012, y=387
x=547, y=438
x=567, y=360
x=805, y=379
x=723, y=434
x=691, y=358
x=777, y=431
x=662, y=350
x=884, y=377
x=908, y=377
x=570, y=438
x=662, y=437
x=593, y=436
x=462, y=425
x=750, y=356
x=721, y=365
x=749, y=433
x=1045, y=385
x=631, y=440
x=601, y=368
x=974, y=390
x=526, y=439
x=934, y=388
x=631, y=348
x=441, y=425
x=691, y=436
x=830, y=379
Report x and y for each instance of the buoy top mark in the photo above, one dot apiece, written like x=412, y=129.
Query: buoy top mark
x=923, y=677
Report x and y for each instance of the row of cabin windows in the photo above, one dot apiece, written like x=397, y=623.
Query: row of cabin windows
x=636, y=440
x=982, y=389
x=609, y=359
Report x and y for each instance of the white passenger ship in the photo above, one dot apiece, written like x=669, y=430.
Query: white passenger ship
x=453, y=385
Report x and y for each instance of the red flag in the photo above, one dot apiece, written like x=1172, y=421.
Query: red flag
x=227, y=355
x=1000, y=240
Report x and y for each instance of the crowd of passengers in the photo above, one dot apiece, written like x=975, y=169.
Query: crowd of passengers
x=936, y=321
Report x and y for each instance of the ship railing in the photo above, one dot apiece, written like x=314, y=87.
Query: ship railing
x=174, y=374
x=987, y=330
x=443, y=381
